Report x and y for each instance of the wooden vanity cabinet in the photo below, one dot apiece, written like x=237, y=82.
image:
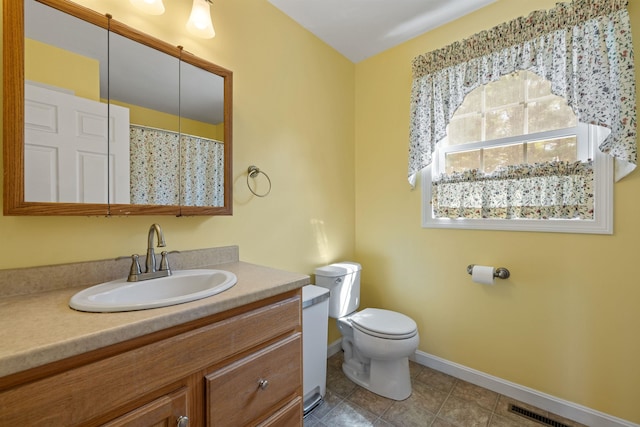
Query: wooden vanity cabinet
x=241, y=367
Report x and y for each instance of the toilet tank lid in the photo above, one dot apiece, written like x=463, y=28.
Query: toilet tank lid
x=338, y=269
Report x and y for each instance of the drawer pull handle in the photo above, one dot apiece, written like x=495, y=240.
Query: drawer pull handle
x=263, y=384
x=183, y=421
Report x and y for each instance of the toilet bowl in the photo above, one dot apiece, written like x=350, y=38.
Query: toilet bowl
x=376, y=343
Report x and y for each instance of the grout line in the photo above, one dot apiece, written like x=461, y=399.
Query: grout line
x=332, y=409
x=445, y=401
x=493, y=411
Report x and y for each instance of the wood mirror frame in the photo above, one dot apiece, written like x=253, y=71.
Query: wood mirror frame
x=13, y=118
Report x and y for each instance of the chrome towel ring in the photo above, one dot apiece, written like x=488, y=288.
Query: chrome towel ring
x=253, y=172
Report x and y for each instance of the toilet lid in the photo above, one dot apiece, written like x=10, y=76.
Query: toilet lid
x=384, y=323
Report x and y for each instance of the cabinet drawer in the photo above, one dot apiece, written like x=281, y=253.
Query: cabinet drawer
x=164, y=411
x=234, y=396
x=288, y=416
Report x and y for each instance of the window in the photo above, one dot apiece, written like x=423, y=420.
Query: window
x=498, y=115
x=516, y=136
x=501, y=129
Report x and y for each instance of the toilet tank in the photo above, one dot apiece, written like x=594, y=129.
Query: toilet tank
x=343, y=281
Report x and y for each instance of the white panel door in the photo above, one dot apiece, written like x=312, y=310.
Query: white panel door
x=68, y=154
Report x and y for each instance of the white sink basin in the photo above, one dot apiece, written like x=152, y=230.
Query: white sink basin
x=182, y=286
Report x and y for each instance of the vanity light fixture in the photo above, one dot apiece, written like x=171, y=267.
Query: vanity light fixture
x=152, y=7
x=199, y=23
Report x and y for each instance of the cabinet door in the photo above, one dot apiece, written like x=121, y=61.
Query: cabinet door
x=167, y=410
x=255, y=387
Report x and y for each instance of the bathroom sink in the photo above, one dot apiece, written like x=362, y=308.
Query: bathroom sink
x=182, y=286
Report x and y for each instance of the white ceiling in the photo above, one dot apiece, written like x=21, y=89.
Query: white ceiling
x=359, y=29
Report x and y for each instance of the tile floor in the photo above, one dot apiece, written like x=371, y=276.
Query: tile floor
x=438, y=400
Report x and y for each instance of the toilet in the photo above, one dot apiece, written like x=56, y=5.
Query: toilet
x=377, y=343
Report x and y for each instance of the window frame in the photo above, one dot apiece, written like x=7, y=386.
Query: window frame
x=602, y=186
x=584, y=150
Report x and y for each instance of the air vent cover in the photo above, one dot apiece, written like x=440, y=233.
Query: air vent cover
x=530, y=415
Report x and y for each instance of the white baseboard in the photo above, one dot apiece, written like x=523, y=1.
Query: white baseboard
x=334, y=347
x=544, y=401
x=557, y=406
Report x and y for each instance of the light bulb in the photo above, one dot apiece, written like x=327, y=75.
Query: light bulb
x=199, y=23
x=152, y=7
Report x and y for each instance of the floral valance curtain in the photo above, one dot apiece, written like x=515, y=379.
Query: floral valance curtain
x=558, y=190
x=583, y=48
x=172, y=169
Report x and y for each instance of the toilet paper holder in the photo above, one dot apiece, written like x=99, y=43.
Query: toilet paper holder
x=500, y=272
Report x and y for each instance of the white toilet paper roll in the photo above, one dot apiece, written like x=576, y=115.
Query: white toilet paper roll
x=483, y=274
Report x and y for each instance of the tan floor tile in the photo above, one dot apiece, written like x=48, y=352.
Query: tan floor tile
x=370, y=401
x=382, y=423
x=338, y=383
x=336, y=360
x=436, y=379
x=500, y=421
x=431, y=398
x=331, y=400
x=311, y=421
x=347, y=414
x=409, y=412
x=464, y=413
x=483, y=397
x=439, y=422
x=414, y=369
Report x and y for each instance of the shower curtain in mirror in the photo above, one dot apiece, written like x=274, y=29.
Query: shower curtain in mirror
x=584, y=48
x=172, y=169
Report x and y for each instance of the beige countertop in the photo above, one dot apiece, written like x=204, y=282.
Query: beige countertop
x=39, y=328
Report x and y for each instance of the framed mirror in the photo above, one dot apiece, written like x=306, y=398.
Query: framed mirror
x=148, y=129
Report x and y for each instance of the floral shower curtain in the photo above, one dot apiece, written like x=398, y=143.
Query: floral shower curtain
x=154, y=160
x=583, y=48
x=172, y=169
x=202, y=165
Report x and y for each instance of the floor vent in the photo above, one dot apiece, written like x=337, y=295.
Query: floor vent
x=535, y=417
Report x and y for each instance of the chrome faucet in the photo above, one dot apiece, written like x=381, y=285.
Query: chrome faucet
x=150, y=263
x=135, y=273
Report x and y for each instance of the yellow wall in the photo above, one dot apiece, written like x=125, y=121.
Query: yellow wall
x=567, y=322
x=293, y=117
x=146, y=117
x=61, y=68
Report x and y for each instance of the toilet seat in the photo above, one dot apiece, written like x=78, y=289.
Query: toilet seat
x=384, y=324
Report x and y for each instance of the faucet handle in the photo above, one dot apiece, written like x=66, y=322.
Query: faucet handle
x=164, y=261
x=134, y=270
x=135, y=266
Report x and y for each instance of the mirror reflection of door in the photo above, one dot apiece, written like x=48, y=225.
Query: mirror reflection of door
x=67, y=155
